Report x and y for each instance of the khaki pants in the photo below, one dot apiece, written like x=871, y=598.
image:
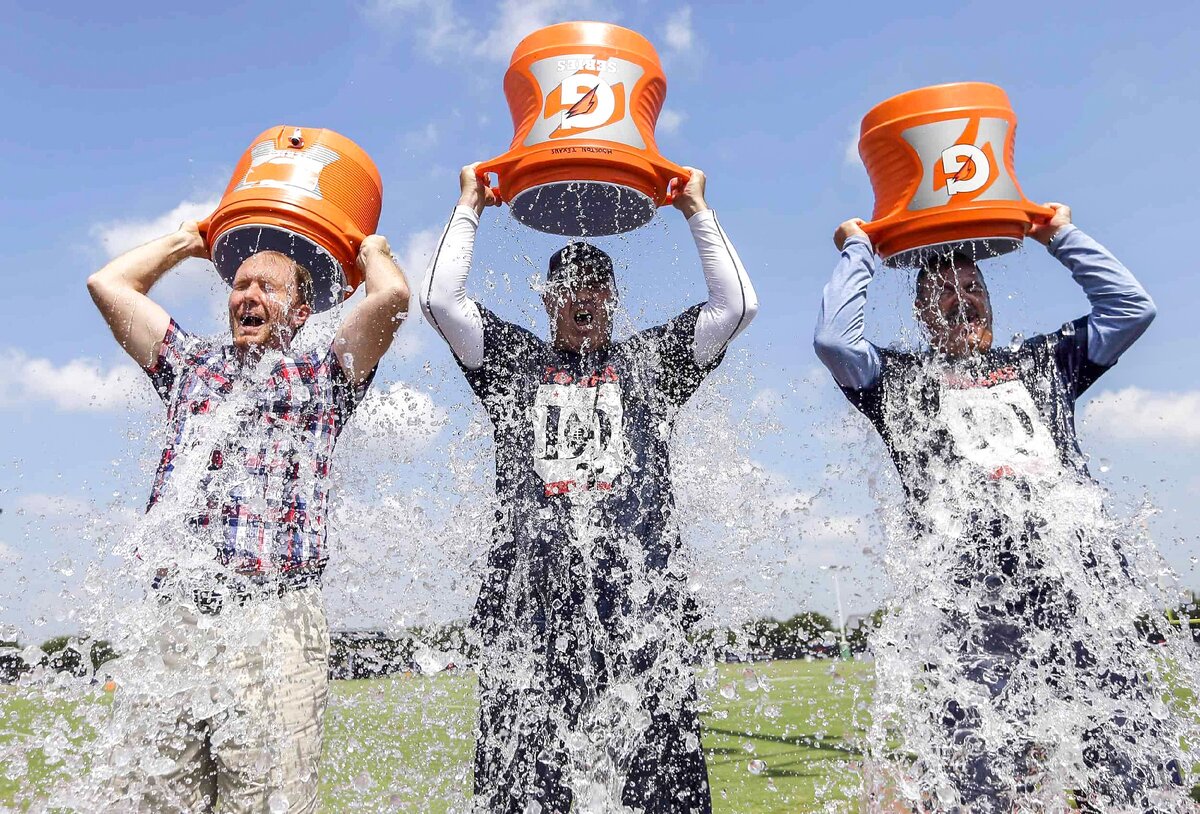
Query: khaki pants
x=223, y=712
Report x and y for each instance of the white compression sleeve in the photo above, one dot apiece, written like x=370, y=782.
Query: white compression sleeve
x=732, y=302
x=443, y=294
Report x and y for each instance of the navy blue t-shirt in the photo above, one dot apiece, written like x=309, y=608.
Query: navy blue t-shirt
x=1009, y=413
x=582, y=451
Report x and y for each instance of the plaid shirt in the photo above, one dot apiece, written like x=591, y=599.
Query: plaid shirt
x=249, y=458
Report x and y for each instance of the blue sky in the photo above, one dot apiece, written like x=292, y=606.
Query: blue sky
x=124, y=118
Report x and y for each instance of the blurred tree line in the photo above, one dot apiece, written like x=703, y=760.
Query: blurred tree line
x=63, y=654
x=358, y=654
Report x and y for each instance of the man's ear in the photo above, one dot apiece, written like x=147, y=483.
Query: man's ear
x=300, y=315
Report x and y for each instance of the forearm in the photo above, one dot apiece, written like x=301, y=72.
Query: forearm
x=120, y=288
x=139, y=269
x=840, y=342
x=443, y=295
x=369, y=329
x=732, y=303
x=1121, y=307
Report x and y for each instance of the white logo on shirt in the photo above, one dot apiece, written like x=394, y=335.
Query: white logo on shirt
x=998, y=428
x=578, y=437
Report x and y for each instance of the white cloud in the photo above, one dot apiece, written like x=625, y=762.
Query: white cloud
x=850, y=156
x=678, y=32
x=1134, y=414
x=43, y=505
x=118, y=237
x=444, y=32
x=399, y=412
x=9, y=555
x=669, y=121
x=421, y=139
x=437, y=26
x=80, y=384
x=193, y=280
x=517, y=19
x=414, y=257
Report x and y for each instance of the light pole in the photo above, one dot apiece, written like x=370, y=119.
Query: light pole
x=844, y=646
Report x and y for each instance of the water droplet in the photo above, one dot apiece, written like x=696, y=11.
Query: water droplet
x=757, y=766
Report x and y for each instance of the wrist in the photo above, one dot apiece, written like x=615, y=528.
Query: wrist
x=184, y=244
x=690, y=208
x=471, y=200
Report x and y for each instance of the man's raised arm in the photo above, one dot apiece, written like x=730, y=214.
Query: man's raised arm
x=839, y=341
x=367, y=332
x=443, y=295
x=1121, y=308
x=120, y=291
x=732, y=303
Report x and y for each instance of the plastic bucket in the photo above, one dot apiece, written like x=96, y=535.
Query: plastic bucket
x=310, y=194
x=585, y=98
x=940, y=161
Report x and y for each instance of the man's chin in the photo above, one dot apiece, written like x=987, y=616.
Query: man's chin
x=249, y=341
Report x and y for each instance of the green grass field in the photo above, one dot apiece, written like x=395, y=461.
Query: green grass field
x=404, y=744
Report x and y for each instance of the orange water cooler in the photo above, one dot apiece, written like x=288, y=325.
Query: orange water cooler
x=585, y=98
x=940, y=161
x=311, y=194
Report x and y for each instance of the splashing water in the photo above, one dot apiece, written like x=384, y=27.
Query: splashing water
x=411, y=520
x=1013, y=669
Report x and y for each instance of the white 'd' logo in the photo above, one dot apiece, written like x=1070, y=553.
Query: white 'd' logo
x=591, y=102
x=956, y=159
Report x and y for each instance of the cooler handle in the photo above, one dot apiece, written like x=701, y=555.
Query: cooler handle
x=1038, y=213
x=672, y=178
x=497, y=167
x=204, y=227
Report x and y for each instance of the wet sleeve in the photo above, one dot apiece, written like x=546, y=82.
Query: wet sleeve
x=172, y=360
x=1121, y=308
x=505, y=349
x=732, y=303
x=869, y=400
x=839, y=340
x=1072, y=357
x=347, y=394
x=672, y=345
x=443, y=294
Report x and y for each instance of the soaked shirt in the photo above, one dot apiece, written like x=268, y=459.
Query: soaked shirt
x=582, y=463
x=1009, y=413
x=582, y=445
x=249, y=458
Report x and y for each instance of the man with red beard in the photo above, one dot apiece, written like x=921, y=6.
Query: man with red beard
x=223, y=709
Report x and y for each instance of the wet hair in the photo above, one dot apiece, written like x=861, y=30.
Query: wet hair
x=304, y=278
x=940, y=261
x=579, y=261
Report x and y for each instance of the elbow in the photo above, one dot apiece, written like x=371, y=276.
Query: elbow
x=424, y=299
x=1146, y=312
x=828, y=344
x=749, y=308
x=95, y=286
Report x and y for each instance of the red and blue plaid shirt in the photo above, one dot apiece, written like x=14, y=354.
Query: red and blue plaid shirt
x=249, y=459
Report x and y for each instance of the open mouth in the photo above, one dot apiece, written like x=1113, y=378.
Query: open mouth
x=583, y=319
x=962, y=317
x=251, y=321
